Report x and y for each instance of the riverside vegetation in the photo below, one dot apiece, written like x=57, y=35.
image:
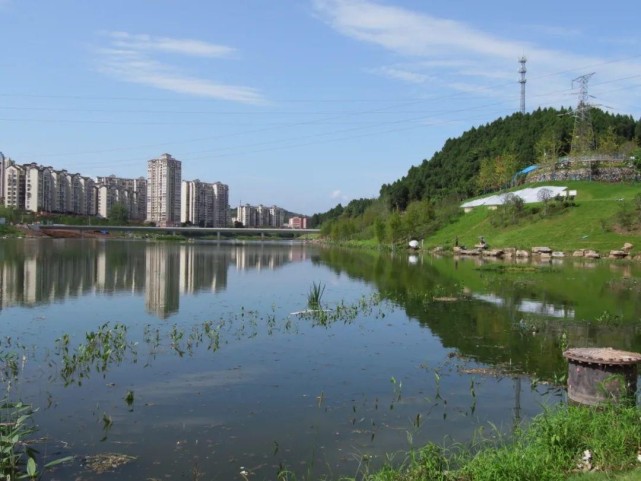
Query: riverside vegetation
x=602, y=217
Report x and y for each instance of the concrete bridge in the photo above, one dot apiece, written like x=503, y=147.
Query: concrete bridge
x=262, y=231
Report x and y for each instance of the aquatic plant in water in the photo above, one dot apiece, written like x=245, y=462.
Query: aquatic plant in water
x=314, y=296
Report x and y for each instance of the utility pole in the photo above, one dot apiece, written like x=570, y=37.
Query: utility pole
x=522, y=81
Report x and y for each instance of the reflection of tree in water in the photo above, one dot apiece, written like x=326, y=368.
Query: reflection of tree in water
x=502, y=333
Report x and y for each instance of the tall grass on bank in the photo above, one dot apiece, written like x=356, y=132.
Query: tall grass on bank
x=552, y=448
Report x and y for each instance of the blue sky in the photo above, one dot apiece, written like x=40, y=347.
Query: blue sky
x=298, y=103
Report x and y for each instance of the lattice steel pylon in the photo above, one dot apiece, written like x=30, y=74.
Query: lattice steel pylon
x=583, y=135
x=522, y=81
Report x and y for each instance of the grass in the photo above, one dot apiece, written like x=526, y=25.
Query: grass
x=588, y=225
x=315, y=295
x=634, y=475
x=549, y=449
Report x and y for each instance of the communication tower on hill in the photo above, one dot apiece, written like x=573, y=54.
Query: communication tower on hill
x=522, y=81
x=583, y=135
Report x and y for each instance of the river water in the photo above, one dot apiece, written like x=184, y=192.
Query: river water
x=203, y=360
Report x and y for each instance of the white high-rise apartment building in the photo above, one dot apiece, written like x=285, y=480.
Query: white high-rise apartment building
x=163, y=191
x=39, y=188
x=260, y=216
x=276, y=216
x=14, y=186
x=247, y=216
x=3, y=164
x=132, y=193
x=221, y=204
x=204, y=204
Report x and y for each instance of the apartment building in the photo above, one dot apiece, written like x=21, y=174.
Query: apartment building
x=246, y=215
x=298, y=223
x=204, y=204
x=276, y=216
x=39, y=188
x=221, y=205
x=260, y=216
x=3, y=163
x=14, y=186
x=163, y=191
x=132, y=193
x=83, y=195
x=157, y=198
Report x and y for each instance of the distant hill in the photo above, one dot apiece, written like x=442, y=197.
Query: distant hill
x=455, y=168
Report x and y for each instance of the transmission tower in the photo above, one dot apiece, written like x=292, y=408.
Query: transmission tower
x=583, y=136
x=522, y=81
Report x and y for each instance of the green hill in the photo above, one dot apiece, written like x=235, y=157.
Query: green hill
x=425, y=203
x=517, y=141
x=603, y=217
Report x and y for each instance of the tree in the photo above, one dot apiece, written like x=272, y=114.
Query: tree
x=394, y=225
x=119, y=214
x=544, y=195
x=506, y=166
x=607, y=142
x=547, y=149
x=379, y=229
x=485, y=179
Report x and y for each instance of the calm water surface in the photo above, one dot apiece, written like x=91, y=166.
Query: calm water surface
x=217, y=370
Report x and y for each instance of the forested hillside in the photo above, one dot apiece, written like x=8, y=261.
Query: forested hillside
x=483, y=159
x=517, y=141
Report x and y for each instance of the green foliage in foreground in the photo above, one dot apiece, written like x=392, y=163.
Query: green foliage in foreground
x=550, y=448
x=18, y=459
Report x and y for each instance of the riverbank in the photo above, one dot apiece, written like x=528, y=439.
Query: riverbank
x=602, y=217
x=566, y=443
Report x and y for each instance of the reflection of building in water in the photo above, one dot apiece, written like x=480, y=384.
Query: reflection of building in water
x=298, y=253
x=36, y=273
x=162, y=271
x=202, y=270
x=265, y=256
x=119, y=268
x=43, y=271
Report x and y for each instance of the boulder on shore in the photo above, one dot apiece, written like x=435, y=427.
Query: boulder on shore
x=541, y=250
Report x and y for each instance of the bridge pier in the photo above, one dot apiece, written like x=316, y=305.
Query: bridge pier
x=218, y=235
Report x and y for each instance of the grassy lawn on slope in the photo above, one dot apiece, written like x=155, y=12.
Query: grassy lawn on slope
x=588, y=225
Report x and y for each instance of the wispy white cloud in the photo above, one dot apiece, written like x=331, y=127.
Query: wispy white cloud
x=554, y=31
x=410, y=33
x=402, y=74
x=461, y=57
x=135, y=58
x=143, y=42
x=338, y=195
